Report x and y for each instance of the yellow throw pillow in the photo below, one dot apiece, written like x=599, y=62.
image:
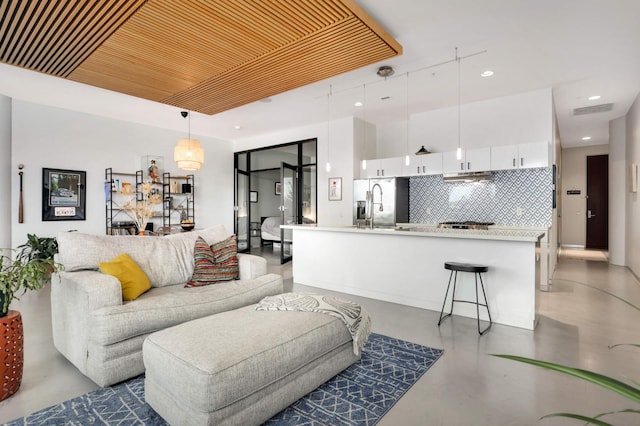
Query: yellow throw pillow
x=133, y=280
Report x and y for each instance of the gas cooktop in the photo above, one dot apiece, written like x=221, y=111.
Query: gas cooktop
x=465, y=225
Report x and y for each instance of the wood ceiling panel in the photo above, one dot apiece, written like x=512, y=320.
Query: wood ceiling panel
x=202, y=55
x=55, y=36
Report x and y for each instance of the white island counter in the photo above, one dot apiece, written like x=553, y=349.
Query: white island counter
x=406, y=265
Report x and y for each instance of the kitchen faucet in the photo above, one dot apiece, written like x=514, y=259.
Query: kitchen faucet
x=370, y=199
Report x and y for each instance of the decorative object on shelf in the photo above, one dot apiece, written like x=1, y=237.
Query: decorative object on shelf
x=278, y=188
x=253, y=196
x=335, y=189
x=422, y=151
x=141, y=210
x=188, y=154
x=153, y=166
x=63, y=194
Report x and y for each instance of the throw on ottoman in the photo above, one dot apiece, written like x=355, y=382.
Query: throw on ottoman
x=244, y=366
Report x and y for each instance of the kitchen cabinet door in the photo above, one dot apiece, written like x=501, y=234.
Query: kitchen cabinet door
x=383, y=167
x=504, y=157
x=427, y=164
x=432, y=164
x=450, y=164
x=477, y=160
x=533, y=155
x=373, y=167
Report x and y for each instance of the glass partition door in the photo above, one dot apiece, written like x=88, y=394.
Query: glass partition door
x=242, y=213
x=288, y=208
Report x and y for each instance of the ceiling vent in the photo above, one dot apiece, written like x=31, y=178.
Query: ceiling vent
x=593, y=109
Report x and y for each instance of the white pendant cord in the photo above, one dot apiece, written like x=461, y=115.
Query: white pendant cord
x=459, y=150
x=407, y=159
x=328, y=165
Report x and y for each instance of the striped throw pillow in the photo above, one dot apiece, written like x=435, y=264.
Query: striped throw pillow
x=216, y=263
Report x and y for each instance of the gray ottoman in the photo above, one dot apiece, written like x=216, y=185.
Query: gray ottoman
x=241, y=367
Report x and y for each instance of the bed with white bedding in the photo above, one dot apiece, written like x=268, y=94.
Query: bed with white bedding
x=270, y=229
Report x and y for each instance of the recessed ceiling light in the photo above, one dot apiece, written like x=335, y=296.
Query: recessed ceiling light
x=358, y=104
x=586, y=138
x=237, y=127
x=487, y=73
x=594, y=97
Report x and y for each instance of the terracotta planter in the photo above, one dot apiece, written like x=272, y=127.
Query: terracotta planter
x=11, y=353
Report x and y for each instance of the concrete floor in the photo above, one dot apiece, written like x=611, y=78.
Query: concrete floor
x=467, y=386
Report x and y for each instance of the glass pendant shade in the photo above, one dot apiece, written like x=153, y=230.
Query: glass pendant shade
x=188, y=154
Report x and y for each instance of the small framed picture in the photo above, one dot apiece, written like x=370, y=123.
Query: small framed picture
x=335, y=189
x=152, y=168
x=253, y=196
x=63, y=194
x=278, y=189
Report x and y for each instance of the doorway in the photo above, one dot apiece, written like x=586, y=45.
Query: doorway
x=597, y=202
x=274, y=185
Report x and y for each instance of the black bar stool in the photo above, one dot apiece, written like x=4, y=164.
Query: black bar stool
x=477, y=270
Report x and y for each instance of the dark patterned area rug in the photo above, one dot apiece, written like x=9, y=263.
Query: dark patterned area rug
x=360, y=395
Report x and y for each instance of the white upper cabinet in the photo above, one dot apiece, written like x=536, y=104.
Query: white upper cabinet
x=383, y=167
x=534, y=155
x=477, y=160
x=473, y=160
x=504, y=157
x=523, y=156
x=427, y=164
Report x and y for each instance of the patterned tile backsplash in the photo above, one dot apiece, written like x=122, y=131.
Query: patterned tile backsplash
x=526, y=191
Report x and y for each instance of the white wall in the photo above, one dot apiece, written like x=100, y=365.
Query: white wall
x=522, y=118
x=340, y=153
x=617, y=191
x=633, y=204
x=574, y=207
x=52, y=137
x=6, y=172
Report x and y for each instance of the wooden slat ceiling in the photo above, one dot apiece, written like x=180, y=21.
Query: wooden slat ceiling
x=205, y=56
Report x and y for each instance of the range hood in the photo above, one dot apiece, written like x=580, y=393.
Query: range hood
x=467, y=177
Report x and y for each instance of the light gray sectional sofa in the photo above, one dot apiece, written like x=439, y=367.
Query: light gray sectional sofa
x=101, y=334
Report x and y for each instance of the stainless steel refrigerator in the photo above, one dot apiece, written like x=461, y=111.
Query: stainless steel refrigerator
x=387, y=199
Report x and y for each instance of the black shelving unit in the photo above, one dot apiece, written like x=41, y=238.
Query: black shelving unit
x=116, y=220
x=178, y=197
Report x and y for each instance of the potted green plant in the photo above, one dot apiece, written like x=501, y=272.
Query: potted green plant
x=29, y=269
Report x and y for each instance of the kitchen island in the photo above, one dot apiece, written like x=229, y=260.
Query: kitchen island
x=405, y=265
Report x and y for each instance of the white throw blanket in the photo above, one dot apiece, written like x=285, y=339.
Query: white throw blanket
x=354, y=316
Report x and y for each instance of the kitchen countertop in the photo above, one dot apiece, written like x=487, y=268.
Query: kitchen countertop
x=423, y=230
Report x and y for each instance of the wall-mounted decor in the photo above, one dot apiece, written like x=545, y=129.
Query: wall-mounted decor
x=63, y=194
x=253, y=196
x=152, y=168
x=335, y=189
x=278, y=188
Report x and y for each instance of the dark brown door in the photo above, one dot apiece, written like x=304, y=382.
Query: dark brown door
x=598, y=202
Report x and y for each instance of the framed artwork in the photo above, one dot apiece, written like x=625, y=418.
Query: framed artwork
x=253, y=196
x=63, y=194
x=152, y=168
x=278, y=189
x=335, y=189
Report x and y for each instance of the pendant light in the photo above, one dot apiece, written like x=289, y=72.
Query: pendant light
x=459, y=150
x=328, y=165
x=188, y=154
